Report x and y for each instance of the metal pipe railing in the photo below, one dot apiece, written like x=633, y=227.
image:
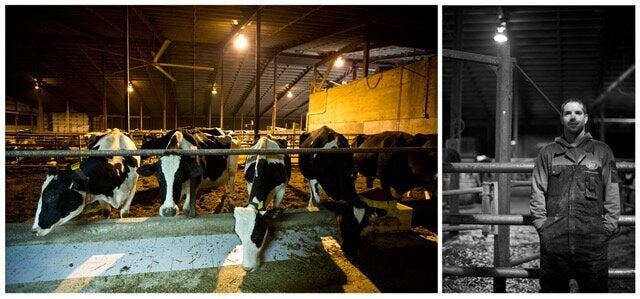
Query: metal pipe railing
x=160, y=152
x=461, y=191
x=624, y=220
x=510, y=167
x=618, y=273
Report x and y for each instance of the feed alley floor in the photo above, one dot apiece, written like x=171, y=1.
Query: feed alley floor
x=203, y=254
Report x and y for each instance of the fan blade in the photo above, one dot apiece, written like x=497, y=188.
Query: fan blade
x=164, y=72
x=184, y=66
x=163, y=48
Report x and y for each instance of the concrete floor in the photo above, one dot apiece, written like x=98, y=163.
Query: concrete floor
x=203, y=255
x=98, y=256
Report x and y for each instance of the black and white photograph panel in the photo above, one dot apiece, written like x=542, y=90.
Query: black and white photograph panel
x=229, y=148
x=539, y=159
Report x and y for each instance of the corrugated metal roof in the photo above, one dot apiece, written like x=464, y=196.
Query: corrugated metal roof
x=67, y=48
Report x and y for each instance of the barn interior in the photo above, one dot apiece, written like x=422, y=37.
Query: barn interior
x=187, y=65
x=559, y=52
x=71, y=70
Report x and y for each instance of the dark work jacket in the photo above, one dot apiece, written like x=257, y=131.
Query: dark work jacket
x=575, y=202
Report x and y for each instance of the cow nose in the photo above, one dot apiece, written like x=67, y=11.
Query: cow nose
x=34, y=231
x=248, y=269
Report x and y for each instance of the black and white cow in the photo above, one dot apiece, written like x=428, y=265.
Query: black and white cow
x=109, y=180
x=336, y=174
x=401, y=171
x=267, y=177
x=175, y=173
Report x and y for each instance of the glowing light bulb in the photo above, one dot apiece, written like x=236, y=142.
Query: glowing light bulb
x=240, y=42
x=501, y=34
x=339, y=62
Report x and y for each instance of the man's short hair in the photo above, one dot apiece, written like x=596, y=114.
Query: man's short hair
x=573, y=100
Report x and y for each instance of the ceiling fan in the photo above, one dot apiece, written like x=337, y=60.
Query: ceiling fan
x=159, y=65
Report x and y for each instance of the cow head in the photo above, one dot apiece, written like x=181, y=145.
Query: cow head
x=252, y=227
x=59, y=201
x=352, y=218
x=172, y=172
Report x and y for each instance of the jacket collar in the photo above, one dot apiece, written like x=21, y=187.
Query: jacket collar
x=579, y=141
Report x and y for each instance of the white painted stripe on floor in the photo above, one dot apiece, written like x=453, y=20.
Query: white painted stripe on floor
x=47, y=262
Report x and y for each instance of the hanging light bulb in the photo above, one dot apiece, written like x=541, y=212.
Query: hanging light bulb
x=501, y=33
x=289, y=94
x=130, y=88
x=240, y=42
x=37, y=85
x=339, y=62
x=214, y=91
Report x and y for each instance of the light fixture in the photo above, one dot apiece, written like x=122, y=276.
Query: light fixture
x=501, y=33
x=130, y=88
x=339, y=62
x=289, y=94
x=214, y=91
x=240, y=42
x=37, y=85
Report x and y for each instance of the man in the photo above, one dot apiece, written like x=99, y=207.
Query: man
x=575, y=204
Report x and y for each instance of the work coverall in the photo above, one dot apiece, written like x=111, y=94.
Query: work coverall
x=575, y=205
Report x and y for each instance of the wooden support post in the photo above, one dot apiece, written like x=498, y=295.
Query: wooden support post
x=222, y=93
x=126, y=77
x=67, y=121
x=256, y=128
x=504, y=93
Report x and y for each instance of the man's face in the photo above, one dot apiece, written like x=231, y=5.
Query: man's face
x=573, y=118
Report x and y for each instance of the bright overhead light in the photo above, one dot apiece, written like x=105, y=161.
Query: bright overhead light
x=339, y=62
x=214, y=91
x=289, y=94
x=37, y=85
x=130, y=88
x=501, y=33
x=240, y=42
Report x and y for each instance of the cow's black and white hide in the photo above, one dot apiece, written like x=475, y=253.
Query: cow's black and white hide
x=401, y=171
x=109, y=180
x=352, y=218
x=266, y=176
x=181, y=176
x=334, y=173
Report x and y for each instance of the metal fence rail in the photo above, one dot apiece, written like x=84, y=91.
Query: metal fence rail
x=160, y=152
x=618, y=273
x=511, y=167
x=624, y=220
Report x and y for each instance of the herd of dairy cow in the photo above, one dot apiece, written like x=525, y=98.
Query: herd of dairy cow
x=111, y=180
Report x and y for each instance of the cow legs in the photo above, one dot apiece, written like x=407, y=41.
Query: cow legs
x=190, y=188
x=314, y=196
x=124, y=210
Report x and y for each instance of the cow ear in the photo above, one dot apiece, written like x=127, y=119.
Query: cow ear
x=193, y=169
x=147, y=170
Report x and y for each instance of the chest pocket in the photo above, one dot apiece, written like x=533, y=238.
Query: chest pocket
x=556, y=176
x=592, y=184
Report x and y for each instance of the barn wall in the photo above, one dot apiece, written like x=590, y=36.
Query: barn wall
x=393, y=100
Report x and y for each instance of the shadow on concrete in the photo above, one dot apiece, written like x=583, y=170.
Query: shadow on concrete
x=399, y=263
